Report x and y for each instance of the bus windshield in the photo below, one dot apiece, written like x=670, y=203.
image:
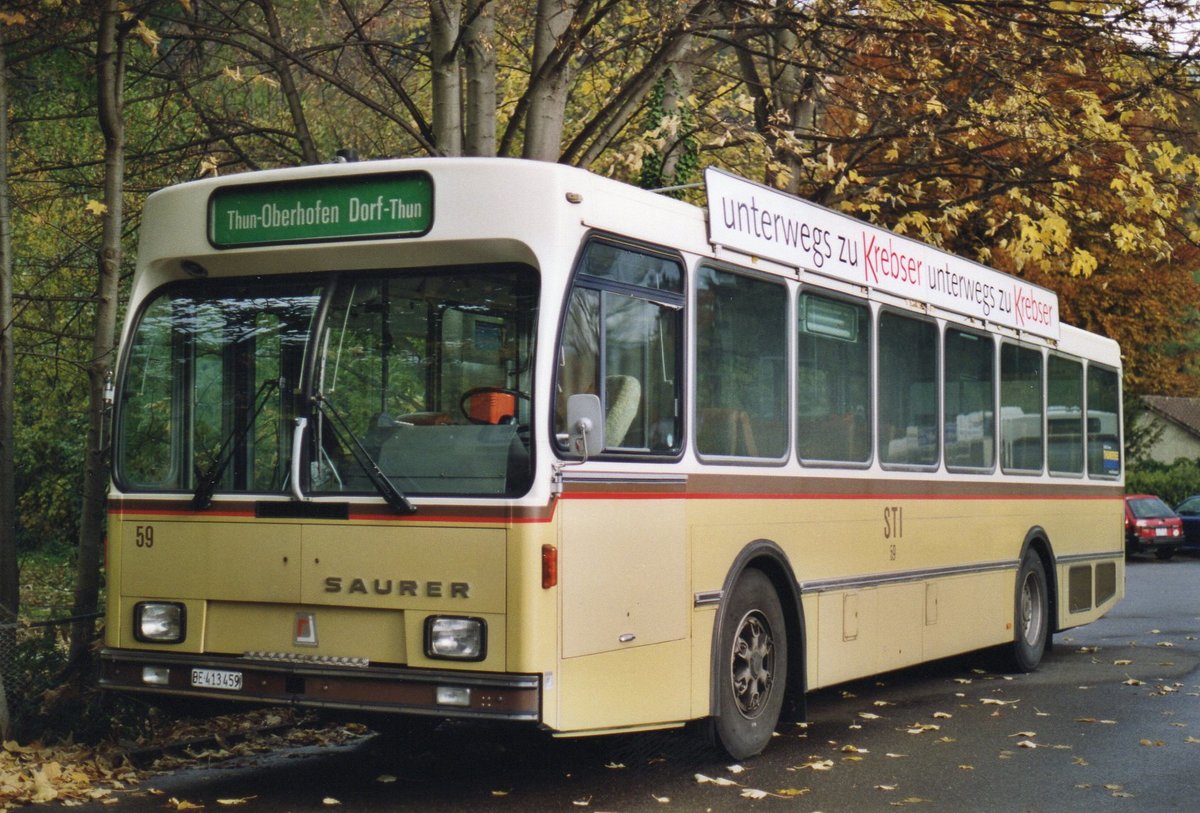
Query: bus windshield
x=424, y=374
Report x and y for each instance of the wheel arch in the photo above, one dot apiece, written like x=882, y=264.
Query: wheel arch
x=1038, y=541
x=766, y=556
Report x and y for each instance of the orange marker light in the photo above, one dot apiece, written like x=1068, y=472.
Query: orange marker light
x=549, y=566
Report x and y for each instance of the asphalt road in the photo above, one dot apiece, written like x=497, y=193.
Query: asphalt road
x=1111, y=721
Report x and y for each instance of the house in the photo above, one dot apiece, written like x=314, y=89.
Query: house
x=1176, y=424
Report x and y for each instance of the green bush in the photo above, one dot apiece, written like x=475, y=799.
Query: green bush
x=1172, y=482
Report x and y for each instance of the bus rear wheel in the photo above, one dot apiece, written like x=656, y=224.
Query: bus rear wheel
x=751, y=671
x=1031, y=615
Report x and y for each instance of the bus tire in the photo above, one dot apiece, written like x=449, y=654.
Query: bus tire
x=751, y=668
x=1031, y=615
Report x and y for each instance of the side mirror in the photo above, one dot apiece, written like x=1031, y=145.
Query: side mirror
x=585, y=424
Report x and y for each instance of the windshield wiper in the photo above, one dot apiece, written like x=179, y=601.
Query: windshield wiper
x=207, y=480
x=341, y=431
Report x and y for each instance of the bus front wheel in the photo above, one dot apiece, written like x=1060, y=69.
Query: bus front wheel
x=1031, y=615
x=751, y=669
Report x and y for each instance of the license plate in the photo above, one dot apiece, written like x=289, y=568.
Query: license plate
x=217, y=679
x=1161, y=532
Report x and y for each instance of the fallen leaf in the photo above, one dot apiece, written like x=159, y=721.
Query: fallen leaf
x=854, y=749
x=715, y=780
x=183, y=804
x=735, y=769
x=942, y=715
x=329, y=801
x=819, y=765
x=1152, y=743
x=236, y=802
x=896, y=756
x=1024, y=734
x=792, y=792
x=966, y=767
x=1094, y=720
x=886, y=787
x=662, y=800
x=866, y=715
x=1027, y=744
x=921, y=728
x=1122, y=662
x=614, y=766
x=1080, y=761
x=992, y=701
x=584, y=802
x=385, y=779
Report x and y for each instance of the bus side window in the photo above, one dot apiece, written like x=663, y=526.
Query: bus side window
x=620, y=341
x=741, y=363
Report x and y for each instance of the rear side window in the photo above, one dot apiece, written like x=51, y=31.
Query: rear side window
x=1021, y=433
x=908, y=393
x=1103, y=422
x=970, y=401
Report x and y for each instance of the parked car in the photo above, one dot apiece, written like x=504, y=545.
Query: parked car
x=1189, y=512
x=1151, y=526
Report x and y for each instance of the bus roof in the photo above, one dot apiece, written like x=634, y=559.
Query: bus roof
x=497, y=199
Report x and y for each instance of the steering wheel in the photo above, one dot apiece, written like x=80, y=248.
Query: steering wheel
x=471, y=393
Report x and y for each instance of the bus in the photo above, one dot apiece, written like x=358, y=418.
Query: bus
x=503, y=440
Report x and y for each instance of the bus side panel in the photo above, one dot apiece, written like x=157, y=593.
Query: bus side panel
x=624, y=598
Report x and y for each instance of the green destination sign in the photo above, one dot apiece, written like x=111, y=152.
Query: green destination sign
x=342, y=208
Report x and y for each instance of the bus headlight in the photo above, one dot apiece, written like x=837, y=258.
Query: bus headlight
x=159, y=622
x=455, y=638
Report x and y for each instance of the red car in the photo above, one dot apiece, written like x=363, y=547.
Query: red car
x=1151, y=526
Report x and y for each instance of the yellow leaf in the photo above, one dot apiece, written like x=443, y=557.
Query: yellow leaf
x=720, y=781
x=183, y=804
x=147, y=35
x=95, y=207
x=235, y=802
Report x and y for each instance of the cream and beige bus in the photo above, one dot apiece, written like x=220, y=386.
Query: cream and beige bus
x=505, y=440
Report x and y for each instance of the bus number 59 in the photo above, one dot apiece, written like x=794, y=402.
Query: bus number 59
x=144, y=536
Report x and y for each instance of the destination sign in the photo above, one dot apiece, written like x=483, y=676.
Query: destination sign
x=765, y=222
x=320, y=210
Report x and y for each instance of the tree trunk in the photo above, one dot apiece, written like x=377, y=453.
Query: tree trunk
x=481, y=78
x=110, y=71
x=287, y=83
x=550, y=80
x=445, y=19
x=9, y=578
x=9, y=581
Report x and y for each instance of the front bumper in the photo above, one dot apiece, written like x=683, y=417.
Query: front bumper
x=313, y=684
